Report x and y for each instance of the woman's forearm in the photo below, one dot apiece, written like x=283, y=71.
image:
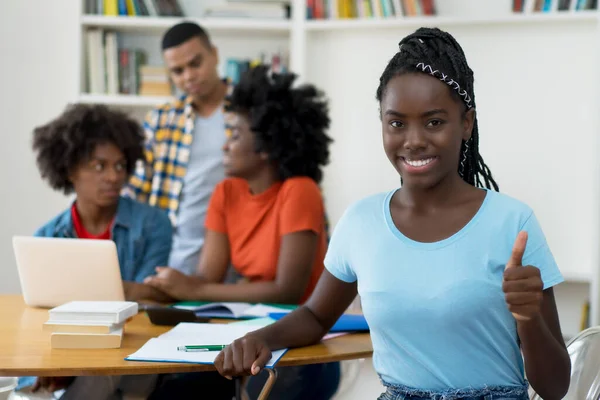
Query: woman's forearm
x=299, y=328
x=547, y=362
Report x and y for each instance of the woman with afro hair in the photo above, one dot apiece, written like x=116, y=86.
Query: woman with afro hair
x=267, y=219
x=90, y=151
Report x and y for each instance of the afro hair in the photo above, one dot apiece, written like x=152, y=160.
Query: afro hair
x=65, y=142
x=289, y=123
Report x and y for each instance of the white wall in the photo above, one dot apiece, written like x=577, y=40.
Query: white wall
x=37, y=43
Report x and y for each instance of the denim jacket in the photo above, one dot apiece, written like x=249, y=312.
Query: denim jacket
x=142, y=233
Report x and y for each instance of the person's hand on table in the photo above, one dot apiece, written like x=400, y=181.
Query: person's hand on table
x=52, y=383
x=245, y=356
x=172, y=282
x=140, y=292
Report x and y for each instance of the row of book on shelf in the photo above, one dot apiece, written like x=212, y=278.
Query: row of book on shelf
x=115, y=70
x=172, y=8
x=154, y=8
x=315, y=9
x=342, y=9
x=545, y=6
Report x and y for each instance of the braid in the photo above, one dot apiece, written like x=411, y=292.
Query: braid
x=433, y=51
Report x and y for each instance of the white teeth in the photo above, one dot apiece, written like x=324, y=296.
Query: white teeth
x=418, y=163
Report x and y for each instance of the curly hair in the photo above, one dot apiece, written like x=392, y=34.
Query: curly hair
x=65, y=142
x=289, y=124
x=436, y=52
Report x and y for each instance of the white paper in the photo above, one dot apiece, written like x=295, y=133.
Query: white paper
x=166, y=350
x=164, y=347
x=261, y=310
x=262, y=322
x=207, y=333
x=93, y=307
x=237, y=309
x=191, y=308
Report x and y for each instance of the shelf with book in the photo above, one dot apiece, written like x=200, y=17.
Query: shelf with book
x=159, y=24
x=416, y=22
x=121, y=63
x=123, y=100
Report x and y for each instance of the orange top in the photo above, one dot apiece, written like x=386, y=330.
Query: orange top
x=255, y=224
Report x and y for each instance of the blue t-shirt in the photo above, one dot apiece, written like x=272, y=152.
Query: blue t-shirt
x=437, y=311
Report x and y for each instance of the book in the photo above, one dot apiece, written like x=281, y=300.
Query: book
x=80, y=327
x=111, y=312
x=164, y=347
x=346, y=323
x=233, y=310
x=70, y=340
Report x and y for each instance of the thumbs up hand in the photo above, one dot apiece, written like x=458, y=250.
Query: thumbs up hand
x=523, y=287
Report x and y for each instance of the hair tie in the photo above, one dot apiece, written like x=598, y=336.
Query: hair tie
x=447, y=80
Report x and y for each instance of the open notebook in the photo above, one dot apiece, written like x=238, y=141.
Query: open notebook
x=164, y=347
x=233, y=310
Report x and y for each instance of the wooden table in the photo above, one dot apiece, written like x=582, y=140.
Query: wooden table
x=25, y=349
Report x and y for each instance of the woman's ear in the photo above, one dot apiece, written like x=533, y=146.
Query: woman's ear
x=72, y=176
x=468, y=123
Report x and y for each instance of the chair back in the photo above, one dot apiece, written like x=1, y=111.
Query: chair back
x=584, y=351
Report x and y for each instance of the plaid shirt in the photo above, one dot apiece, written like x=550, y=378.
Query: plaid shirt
x=169, y=133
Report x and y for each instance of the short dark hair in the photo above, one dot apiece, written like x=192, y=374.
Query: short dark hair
x=65, y=142
x=289, y=124
x=183, y=32
x=435, y=52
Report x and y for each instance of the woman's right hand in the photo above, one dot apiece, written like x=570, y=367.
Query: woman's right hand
x=245, y=356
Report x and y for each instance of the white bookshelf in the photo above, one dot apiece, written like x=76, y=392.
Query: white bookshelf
x=345, y=58
x=416, y=22
x=160, y=24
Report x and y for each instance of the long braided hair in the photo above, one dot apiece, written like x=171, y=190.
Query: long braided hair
x=437, y=53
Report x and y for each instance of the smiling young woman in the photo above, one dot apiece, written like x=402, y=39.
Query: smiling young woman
x=455, y=278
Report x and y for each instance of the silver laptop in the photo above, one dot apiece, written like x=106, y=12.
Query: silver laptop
x=54, y=271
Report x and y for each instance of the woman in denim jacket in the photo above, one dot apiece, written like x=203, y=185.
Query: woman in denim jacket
x=91, y=151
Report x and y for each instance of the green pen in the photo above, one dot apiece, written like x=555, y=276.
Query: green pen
x=213, y=347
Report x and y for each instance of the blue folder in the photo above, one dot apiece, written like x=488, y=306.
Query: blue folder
x=346, y=323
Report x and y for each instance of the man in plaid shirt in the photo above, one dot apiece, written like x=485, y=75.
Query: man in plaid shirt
x=184, y=141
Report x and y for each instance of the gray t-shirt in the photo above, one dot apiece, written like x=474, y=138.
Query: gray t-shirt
x=205, y=170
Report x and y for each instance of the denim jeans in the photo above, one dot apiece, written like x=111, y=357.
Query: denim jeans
x=193, y=385
x=314, y=382
x=399, y=392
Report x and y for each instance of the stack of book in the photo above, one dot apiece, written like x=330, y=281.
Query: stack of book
x=154, y=81
x=89, y=324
